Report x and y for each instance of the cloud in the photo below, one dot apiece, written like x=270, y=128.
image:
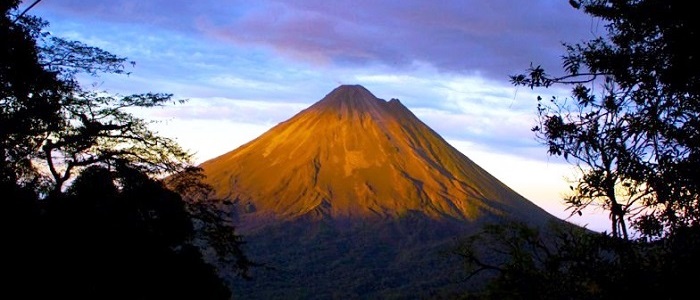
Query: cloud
x=491, y=38
x=464, y=108
x=254, y=112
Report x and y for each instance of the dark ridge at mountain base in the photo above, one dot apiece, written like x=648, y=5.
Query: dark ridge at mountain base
x=407, y=258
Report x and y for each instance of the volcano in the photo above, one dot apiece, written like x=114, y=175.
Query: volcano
x=354, y=156
x=359, y=190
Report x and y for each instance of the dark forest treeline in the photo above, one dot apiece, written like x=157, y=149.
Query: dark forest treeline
x=98, y=241
x=567, y=262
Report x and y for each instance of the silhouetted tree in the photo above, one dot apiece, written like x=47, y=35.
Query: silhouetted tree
x=30, y=95
x=116, y=232
x=632, y=122
x=566, y=262
x=214, y=230
x=127, y=240
x=47, y=116
x=631, y=126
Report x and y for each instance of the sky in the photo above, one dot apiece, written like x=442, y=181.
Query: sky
x=245, y=66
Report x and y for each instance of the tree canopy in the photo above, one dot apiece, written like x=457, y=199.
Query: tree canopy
x=85, y=209
x=631, y=126
x=568, y=262
x=632, y=121
x=51, y=127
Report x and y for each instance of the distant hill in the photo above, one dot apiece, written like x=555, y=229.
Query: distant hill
x=356, y=197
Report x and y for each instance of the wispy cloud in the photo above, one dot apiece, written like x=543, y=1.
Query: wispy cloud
x=234, y=110
x=491, y=38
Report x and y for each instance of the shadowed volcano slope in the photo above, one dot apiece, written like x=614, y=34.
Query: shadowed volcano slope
x=353, y=156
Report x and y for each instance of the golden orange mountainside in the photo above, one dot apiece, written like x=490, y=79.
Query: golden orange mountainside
x=352, y=155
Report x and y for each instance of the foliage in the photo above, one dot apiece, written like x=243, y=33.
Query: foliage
x=30, y=96
x=218, y=234
x=215, y=230
x=567, y=262
x=99, y=131
x=124, y=240
x=388, y=259
x=122, y=235
x=631, y=124
x=116, y=231
x=49, y=122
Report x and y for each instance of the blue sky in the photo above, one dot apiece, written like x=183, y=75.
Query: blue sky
x=247, y=65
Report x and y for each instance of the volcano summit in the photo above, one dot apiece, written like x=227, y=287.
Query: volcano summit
x=354, y=156
x=355, y=197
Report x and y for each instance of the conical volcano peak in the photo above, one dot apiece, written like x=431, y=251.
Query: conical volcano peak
x=348, y=92
x=350, y=100
x=354, y=156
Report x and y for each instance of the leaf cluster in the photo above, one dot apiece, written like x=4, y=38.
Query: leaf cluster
x=631, y=121
x=116, y=226
x=567, y=262
x=50, y=127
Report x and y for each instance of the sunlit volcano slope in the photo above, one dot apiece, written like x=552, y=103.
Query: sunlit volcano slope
x=354, y=156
